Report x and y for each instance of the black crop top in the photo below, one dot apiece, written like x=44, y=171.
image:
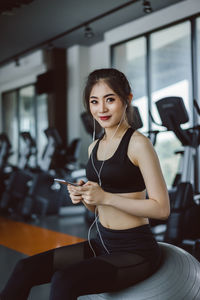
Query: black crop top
x=119, y=174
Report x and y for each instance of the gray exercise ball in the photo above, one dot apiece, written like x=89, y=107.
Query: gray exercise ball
x=177, y=278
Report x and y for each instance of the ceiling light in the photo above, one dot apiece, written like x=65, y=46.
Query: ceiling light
x=88, y=33
x=147, y=6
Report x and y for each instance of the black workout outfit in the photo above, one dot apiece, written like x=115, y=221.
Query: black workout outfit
x=119, y=174
x=73, y=270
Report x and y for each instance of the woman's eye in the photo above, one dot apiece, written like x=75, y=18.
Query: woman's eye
x=110, y=99
x=93, y=101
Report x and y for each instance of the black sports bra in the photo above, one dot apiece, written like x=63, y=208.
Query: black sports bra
x=119, y=174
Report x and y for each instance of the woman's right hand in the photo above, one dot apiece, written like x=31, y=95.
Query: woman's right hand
x=74, y=195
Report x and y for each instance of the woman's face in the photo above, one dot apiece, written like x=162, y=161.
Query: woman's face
x=105, y=105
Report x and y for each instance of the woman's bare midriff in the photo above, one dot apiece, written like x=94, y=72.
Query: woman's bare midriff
x=113, y=218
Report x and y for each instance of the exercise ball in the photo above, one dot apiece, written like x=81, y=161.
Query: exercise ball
x=177, y=278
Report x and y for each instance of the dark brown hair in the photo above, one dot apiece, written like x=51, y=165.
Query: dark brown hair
x=115, y=79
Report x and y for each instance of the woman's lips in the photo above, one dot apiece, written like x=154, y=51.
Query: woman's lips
x=104, y=118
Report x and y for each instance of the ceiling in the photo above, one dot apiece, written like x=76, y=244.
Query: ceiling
x=35, y=25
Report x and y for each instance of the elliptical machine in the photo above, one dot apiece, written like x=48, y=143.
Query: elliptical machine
x=45, y=196
x=17, y=183
x=31, y=191
x=5, y=152
x=42, y=196
x=184, y=221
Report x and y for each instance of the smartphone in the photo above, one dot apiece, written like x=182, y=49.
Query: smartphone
x=65, y=182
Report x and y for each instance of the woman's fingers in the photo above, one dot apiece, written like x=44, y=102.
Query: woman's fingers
x=73, y=190
x=74, y=194
x=76, y=199
x=81, y=182
x=84, y=191
x=82, y=187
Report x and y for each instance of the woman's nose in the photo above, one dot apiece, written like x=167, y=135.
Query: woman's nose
x=103, y=107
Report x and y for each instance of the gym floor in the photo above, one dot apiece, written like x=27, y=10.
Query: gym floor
x=20, y=239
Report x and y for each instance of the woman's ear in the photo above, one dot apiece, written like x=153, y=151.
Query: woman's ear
x=130, y=98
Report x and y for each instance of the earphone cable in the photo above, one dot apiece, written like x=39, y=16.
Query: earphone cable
x=89, y=231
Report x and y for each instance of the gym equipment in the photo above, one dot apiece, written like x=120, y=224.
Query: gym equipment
x=88, y=123
x=134, y=118
x=28, y=149
x=68, y=157
x=23, y=178
x=5, y=150
x=53, y=142
x=17, y=184
x=178, y=277
x=184, y=221
x=173, y=113
x=45, y=196
x=31, y=191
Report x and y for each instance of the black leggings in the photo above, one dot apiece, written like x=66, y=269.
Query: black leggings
x=73, y=271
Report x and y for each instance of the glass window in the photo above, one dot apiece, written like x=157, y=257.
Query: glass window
x=171, y=76
x=21, y=112
x=130, y=58
x=42, y=122
x=10, y=122
x=27, y=115
x=26, y=110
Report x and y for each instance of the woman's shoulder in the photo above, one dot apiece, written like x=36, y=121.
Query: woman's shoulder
x=139, y=140
x=139, y=145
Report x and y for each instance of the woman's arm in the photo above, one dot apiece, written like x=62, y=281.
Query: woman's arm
x=142, y=153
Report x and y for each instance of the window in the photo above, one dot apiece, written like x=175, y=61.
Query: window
x=10, y=122
x=27, y=110
x=130, y=58
x=170, y=76
x=42, y=123
x=23, y=111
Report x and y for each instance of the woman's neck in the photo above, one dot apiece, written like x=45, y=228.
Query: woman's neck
x=115, y=132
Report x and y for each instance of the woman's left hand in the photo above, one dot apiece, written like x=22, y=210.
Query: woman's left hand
x=92, y=193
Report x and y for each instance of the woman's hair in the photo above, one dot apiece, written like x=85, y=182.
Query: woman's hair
x=115, y=79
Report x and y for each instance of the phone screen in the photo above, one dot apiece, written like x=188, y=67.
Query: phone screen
x=65, y=182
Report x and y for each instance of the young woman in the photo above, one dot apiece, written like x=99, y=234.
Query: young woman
x=122, y=167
